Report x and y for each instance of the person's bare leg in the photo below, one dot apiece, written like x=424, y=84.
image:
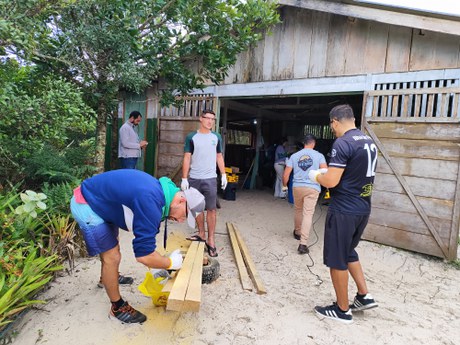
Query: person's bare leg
x=211, y=216
x=340, y=282
x=357, y=274
x=200, y=224
x=110, y=261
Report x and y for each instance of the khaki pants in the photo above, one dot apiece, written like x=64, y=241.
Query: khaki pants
x=305, y=199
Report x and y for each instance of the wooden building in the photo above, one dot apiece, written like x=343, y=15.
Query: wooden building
x=400, y=71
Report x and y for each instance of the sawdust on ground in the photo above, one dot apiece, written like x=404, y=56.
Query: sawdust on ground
x=418, y=296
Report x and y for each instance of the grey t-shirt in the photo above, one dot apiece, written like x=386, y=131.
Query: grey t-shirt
x=204, y=148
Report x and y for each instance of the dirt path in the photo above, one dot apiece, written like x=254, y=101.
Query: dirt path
x=419, y=296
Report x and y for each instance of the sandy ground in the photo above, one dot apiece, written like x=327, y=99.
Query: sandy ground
x=418, y=296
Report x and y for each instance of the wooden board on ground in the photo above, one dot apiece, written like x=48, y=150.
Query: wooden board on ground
x=186, y=281
x=250, y=264
x=244, y=276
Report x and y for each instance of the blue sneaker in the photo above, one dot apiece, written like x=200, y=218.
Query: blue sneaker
x=334, y=313
x=363, y=303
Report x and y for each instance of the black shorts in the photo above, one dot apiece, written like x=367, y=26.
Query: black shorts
x=342, y=234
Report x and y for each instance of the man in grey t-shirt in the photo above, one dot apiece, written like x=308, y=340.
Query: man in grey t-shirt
x=305, y=191
x=203, y=150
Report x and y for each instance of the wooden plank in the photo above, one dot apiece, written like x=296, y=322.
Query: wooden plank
x=175, y=149
x=426, y=131
x=438, y=150
x=402, y=239
x=358, y=31
x=302, y=37
x=179, y=124
x=425, y=187
x=244, y=276
x=455, y=230
x=318, y=53
x=179, y=289
x=286, y=43
x=397, y=54
x=408, y=221
x=250, y=263
x=376, y=48
x=448, y=170
x=434, y=208
x=408, y=190
x=192, y=299
x=336, y=46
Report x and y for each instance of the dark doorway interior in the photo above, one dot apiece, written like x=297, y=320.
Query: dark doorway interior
x=278, y=117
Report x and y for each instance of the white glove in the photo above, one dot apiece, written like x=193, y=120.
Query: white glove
x=323, y=170
x=223, y=181
x=313, y=175
x=176, y=260
x=284, y=189
x=184, y=184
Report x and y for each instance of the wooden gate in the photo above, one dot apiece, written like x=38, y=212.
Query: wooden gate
x=175, y=122
x=416, y=198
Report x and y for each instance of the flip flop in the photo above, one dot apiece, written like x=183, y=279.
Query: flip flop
x=212, y=251
x=195, y=238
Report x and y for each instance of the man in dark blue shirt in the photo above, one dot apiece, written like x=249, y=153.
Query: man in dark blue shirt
x=134, y=201
x=350, y=178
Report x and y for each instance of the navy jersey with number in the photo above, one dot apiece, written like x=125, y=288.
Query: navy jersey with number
x=356, y=153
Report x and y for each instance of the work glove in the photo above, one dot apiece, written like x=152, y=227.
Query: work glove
x=323, y=170
x=176, y=260
x=184, y=184
x=160, y=272
x=223, y=181
x=284, y=189
x=313, y=175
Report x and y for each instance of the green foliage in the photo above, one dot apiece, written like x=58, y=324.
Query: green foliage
x=31, y=201
x=22, y=275
x=38, y=112
x=33, y=242
x=59, y=196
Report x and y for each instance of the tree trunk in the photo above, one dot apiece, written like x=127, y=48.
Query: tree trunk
x=101, y=134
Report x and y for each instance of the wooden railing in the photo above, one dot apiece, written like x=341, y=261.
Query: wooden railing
x=190, y=106
x=418, y=105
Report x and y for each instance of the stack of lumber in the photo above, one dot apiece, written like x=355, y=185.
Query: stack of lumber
x=185, y=292
x=244, y=261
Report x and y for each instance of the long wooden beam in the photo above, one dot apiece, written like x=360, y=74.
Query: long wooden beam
x=244, y=276
x=250, y=264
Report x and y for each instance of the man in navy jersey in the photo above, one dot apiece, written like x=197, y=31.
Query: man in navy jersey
x=350, y=178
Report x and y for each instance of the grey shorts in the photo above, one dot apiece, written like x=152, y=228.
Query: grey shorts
x=207, y=187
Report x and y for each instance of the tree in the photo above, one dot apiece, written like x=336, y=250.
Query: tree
x=38, y=112
x=106, y=45
x=21, y=22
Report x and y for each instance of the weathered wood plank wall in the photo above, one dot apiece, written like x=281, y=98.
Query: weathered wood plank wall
x=311, y=44
x=427, y=155
x=173, y=131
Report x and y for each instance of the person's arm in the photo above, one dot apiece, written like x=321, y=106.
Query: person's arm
x=220, y=163
x=186, y=164
x=287, y=172
x=323, y=166
x=331, y=178
x=155, y=260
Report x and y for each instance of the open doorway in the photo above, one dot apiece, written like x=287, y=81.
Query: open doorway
x=256, y=125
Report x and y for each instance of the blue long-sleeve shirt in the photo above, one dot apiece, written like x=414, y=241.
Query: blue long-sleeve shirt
x=131, y=199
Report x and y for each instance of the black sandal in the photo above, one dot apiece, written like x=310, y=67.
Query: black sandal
x=212, y=251
x=195, y=238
